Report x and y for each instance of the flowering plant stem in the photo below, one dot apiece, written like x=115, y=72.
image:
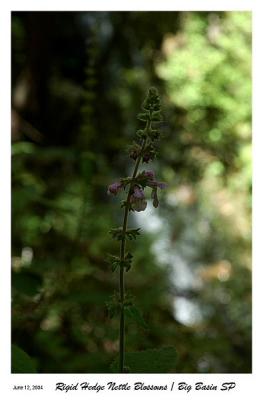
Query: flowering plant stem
x=122, y=257
x=141, y=151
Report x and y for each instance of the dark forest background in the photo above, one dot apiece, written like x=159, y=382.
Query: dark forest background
x=78, y=81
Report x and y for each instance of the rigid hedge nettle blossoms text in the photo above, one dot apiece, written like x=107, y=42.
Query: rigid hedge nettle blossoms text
x=142, y=150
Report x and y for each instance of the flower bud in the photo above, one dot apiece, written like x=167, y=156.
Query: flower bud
x=155, y=198
x=150, y=175
x=114, y=188
x=152, y=101
x=134, y=151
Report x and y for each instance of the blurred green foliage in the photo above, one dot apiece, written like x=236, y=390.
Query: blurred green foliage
x=21, y=362
x=78, y=80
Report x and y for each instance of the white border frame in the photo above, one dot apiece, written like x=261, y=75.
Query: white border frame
x=247, y=384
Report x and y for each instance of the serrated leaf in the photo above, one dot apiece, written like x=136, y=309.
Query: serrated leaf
x=116, y=233
x=154, y=134
x=127, y=262
x=161, y=360
x=114, y=261
x=141, y=133
x=134, y=313
x=126, y=181
x=143, y=116
x=113, y=305
x=22, y=363
x=132, y=233
x=129, y=256
x=157, y=116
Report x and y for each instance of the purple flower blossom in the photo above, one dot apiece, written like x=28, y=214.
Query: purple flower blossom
x=156, y=184
x=138, y=204
x=150, y=175
x=137, y=199
x=152, y=182
x=138, y=193
x=160, y=185
x=147, y=178
x=114, y=188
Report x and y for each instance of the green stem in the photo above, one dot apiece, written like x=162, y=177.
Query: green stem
x=122, y=257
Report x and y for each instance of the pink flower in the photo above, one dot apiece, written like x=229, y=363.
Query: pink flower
x=114, y=188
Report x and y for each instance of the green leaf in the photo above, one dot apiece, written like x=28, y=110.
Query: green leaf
x=127, y=261
x=161, y=360
x=21, y=362
x=141, y=133
x=117, y=233
x=114, y=261
x=153, y=134
x=113, y=305
x=156, y=116
x=126, y=181
x=132, y=233
x=143, y=116
x=134, y=313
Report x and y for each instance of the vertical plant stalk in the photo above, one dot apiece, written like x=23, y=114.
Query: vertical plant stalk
x=141, y=152
x=122, y=258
